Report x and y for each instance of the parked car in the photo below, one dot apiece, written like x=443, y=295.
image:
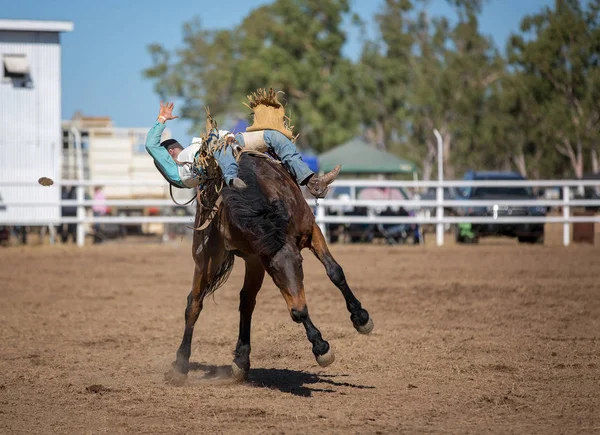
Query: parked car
x=524, y=232
x=392, y=233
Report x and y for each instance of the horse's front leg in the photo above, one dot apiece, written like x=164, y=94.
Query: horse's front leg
x=208, y=256
x=286, y=270
x=177, y=375
x=358, y=315
x=255, y=273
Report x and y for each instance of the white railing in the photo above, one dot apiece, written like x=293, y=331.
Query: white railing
x=323, y=218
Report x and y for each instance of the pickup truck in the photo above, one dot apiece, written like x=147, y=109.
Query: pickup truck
x=524, y=232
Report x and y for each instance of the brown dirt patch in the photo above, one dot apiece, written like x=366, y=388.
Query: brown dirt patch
x=467, y=340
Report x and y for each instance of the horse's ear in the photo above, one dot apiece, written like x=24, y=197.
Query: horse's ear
x=210, y=121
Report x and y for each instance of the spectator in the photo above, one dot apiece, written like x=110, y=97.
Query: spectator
x=99, y=210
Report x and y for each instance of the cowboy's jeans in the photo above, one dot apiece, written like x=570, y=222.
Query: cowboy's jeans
x=227, y=163
x=288, y=154
x=276, y=142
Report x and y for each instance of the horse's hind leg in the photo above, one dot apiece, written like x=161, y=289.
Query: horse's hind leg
x=286, y=270
x=359, y=316
x=255, y=273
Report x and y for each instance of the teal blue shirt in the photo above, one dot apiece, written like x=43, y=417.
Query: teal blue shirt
x=161, y=156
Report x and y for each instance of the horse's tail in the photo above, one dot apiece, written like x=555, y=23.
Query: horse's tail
x=264, y=222
x=221, y=276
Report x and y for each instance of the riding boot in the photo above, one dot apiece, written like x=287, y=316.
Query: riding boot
x=318, y=186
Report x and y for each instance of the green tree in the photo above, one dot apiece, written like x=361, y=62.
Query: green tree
x=474, y=68
x=424, y=74
x=512, y=134
x=557, y=57
x=294, y=46
x=384, y=70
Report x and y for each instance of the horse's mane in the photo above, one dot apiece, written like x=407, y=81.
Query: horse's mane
x=263, y=222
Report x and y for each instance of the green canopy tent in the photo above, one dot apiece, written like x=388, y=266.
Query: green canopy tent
x=357, y=157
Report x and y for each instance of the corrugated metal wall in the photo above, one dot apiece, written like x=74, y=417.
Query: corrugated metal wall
x=120, y=154
x=30, y=129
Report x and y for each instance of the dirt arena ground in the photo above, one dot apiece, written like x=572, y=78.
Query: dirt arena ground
x=495, y=338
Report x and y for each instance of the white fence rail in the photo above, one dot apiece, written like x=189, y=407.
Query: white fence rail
x=323, y=218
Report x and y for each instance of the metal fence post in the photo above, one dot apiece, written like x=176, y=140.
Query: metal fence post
x=439, y=230
x=320, y=216
x=80, y=216
x=439, y=192
x=566, y=215
x=52, y=232
x=80, y=188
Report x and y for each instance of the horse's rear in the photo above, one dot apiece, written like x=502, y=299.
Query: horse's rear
x=267, y=214
x=267, y=224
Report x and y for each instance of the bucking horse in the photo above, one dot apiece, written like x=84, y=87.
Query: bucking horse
x=267, y=224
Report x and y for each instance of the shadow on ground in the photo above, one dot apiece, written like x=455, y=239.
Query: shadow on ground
x=287, y=381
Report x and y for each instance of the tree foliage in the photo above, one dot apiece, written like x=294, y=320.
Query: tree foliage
x=556, y=61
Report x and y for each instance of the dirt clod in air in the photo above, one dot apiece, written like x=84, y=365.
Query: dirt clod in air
x=45, y=181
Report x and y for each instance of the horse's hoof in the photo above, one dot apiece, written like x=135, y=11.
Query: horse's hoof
x=175, y=377
x=239, y=374
x=326, y=359
x=366, y=328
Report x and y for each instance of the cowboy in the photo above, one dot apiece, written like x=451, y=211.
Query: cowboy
x=269, y=133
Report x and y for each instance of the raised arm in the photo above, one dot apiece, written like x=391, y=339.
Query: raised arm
x=161, y=156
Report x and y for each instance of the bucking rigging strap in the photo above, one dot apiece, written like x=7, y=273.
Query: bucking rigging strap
x=213, y=212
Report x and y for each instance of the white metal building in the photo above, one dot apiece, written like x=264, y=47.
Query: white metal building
x=30, y=117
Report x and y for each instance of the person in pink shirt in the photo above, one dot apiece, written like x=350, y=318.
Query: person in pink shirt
x=99, y=209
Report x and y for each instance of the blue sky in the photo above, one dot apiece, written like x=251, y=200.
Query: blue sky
x=104, y=56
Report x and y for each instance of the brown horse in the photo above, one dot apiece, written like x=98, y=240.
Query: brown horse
x=267, y=224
